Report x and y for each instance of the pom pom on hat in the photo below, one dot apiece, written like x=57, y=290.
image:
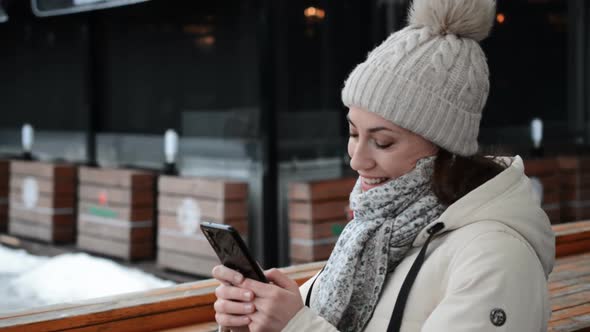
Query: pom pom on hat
x=464, y=18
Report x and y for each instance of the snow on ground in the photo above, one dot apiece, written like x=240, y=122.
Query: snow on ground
x=17, y=261
x=28, y=281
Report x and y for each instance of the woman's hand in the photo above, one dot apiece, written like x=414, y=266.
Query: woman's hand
x=233, y=304
x=275, y=303
x=260, y=306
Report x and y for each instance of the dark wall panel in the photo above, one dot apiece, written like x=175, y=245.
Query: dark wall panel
x=163, y=58
x=44, y=70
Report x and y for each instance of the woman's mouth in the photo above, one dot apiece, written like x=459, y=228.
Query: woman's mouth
x=368, y=183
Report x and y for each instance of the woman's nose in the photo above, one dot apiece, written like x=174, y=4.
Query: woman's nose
x=360, y=158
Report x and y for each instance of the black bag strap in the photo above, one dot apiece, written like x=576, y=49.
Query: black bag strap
x=400, y=304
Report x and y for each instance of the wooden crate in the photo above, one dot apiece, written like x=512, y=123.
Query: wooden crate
x=318, y=211
x=42, y=201
x=183, y=202
x=116, y=212
x=575, y=188
x=4, y=193
x=546, y=171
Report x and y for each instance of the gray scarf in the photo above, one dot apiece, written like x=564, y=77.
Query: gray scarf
x=386, y=221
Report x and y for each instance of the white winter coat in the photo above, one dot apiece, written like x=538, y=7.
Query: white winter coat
x=493, y=256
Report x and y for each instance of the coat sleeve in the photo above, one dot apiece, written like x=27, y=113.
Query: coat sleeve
x=306, y=319
x=496, y=283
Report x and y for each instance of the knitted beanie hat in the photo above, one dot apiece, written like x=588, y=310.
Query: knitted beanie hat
x=430, y=77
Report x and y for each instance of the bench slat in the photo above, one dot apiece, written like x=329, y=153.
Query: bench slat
x=570, y=294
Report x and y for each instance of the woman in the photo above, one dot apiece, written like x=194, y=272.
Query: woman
x=442, y=239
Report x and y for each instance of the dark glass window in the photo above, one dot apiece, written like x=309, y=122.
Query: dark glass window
x=318, y=44
x=527, y=54
x=44, y=70
x=164, y=59
x=324, y=40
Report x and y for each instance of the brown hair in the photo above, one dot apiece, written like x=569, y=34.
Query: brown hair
x=455, y=176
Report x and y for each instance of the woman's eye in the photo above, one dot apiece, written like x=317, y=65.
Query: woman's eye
x=353, y=135
x=383, y=146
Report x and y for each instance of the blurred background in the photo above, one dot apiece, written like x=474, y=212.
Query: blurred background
x=252, y=87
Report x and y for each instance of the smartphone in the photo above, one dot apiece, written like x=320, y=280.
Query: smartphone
x=231, y=250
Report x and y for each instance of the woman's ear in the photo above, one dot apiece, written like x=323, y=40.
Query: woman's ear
x=435, y=149
x=430, y=150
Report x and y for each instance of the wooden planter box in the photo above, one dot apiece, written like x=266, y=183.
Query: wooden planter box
x=184, y=202
x=42, y=201
x=116, y=212
x=575, y=188
x=547, y=172
x=4, y=192
x=317, y=215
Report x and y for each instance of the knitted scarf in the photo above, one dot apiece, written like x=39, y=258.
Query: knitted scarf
x=386, y=221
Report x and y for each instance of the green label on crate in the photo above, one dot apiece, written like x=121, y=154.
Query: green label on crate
x=337, y=229
x=102, y=212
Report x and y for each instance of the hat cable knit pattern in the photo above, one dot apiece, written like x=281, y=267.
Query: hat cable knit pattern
x=431, y=77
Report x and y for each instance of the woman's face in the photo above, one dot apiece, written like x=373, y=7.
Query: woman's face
x=381, y=151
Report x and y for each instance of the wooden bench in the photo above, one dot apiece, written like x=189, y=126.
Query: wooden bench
x=572, y=238
x=569, y=283
x=569, y=287
x=188, y=307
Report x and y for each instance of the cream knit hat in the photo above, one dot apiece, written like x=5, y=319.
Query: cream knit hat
x=430, y=77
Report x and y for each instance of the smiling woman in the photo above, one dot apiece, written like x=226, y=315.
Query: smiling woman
x=442, y=239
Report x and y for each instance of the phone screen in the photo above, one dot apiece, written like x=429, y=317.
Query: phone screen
x=232, y=253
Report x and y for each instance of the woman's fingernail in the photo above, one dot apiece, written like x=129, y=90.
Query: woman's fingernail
x=247, y=295
x=248, y=307
x=246, y=320
x=238, y=278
